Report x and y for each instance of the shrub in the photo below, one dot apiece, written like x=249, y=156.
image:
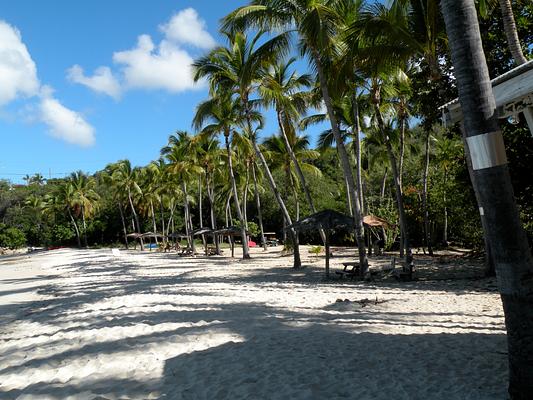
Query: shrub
x=12, y=238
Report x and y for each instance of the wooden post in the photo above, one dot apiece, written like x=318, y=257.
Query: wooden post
x=327, y=253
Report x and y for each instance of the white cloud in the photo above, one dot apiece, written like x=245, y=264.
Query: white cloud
x=18, y=73
x=163, y=67
x=102, y=81
x=153, y=66
x=187, y=28
x=64, y=123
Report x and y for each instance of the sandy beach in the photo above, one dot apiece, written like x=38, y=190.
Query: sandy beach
x=85, y=324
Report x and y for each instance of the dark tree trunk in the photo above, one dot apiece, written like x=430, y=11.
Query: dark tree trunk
x=297, y=261
x=211, y=195
x=508, y=242
x=427, y=233
x=245, y=249
x=136, y=217
x=123, y=224
x=259, y=213
x=509, y=26
x=357, y=141
x=76, y=229
x=345, y=164
x=299, y=172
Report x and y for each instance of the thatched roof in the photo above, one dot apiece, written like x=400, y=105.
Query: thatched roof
x=202, y=231
x=134, y=235
x=230, y=231
x=372, y=220
x=177, y=236
x=326, y=219
x=152, y=235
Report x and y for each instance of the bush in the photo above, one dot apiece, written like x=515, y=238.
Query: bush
x=12, y=238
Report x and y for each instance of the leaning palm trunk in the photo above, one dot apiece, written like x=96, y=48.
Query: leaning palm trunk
x=404, y=244
x=245, y=249
x=211, y=196
x=136, y=218
x=258, y=204
x=299, y=172
x=200, y=211
x=510, y=250
x=345, y=163
x=76, y=229
x=123, y=224
x=153, y=222
x=84, y=227
x=509, y=26
x=188, y=226
x=297, y=262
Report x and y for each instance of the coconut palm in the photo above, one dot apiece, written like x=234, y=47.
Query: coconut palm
x=316, y=23
x=181, y=156
x=85, y=198
x=511, y=254
x=221, y=114
x=127, y=179
x=238, y=69
x=109, y=180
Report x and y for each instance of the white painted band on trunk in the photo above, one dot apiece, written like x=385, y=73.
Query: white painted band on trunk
x=487, y=150
x=481, y=211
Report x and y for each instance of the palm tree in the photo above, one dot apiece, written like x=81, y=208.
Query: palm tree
x=316, y=23
x=237, y=69
x=85, y=198
x=220, y=114
x=64, y=199
x=181, y=156
x=127, y=179
x=447, y=152
x=508, y=242
x=281, y=89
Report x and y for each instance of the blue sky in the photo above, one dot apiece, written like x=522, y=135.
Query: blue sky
x=85, y=83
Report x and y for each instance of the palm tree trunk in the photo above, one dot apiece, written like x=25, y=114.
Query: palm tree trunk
x=84, y=227
x=399, y=196
x=357, y=140
x=510, y=250
x=297, y=261
x=258, y=204
x=123, y=224
x=511, y=33
x=490, y=268
x=136, y=218
x=427, y=233
x=299, y=172
x=383, y=186
x=245, y=195
x=200, y=211
x=402, y=152
x=445, y=202
x=245, y=249
x=162, y=211
x=188, y=226
x=153, y=222
x=345, y=163
x=76, y=229
x=211, y=196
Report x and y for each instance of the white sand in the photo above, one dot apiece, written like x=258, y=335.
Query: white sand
x=89, y=325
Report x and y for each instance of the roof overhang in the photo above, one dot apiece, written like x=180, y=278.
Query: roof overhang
x=513, y=93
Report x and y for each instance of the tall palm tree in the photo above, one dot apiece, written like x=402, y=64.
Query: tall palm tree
x=85, y=198
x=109, y=180
x=316, y=22
x=181, y=156
x=128, y=181
x=63, y=199
x=238, y=69
x=282, y=89
x=510, y=250
x=220, y=114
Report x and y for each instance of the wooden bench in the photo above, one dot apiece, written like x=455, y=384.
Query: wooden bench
x=351, y=269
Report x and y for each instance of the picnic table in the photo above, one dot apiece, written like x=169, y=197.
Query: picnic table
x=351, y=269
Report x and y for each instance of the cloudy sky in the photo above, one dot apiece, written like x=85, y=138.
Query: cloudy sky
x=85, y=83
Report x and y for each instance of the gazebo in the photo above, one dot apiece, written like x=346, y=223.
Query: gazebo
x=150, y=236
x=326, y=220
x=201, y=232
x=513, y=92
x=230, y=231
